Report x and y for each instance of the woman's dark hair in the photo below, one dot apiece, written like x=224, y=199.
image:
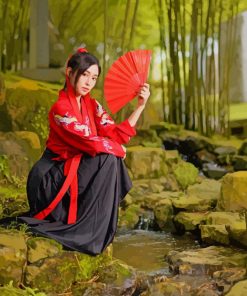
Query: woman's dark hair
x=80, y=62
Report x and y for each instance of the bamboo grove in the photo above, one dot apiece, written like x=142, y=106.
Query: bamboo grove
x=189, y=36
x=197, y=65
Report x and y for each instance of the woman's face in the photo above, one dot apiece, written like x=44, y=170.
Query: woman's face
x=86, y=81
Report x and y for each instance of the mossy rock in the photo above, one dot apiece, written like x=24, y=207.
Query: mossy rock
x=146, y=138
x=243, y=148
x=233, y=193
x=146, y=162
x=206, y=189
x=56, y=274
x=28, y=109
x=239, y=289
x=13, y=201
x=240, y=163
x=21, y=150
x=214, y=234
x=166, y=126
x=129, y=217
x=115, y=273
x=40, y=248
x=205, y=261
x=234, y=220
x=163, y=213
x=170, y=288
x=237, y=236
x=185, y=221
x=186, y=174
x=13, y=252
x=144, y=187
x=192, y=204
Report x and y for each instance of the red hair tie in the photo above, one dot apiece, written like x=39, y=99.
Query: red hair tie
x=82, y=49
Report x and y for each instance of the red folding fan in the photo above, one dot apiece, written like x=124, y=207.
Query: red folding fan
x=125, y=78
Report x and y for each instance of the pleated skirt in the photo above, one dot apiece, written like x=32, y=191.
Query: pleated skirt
x=103, y=182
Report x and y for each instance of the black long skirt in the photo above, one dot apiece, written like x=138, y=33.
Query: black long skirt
x=103, y=182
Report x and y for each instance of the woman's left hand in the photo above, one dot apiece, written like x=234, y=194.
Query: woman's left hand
x=143, y=95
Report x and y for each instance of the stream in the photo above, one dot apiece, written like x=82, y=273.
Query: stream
x=146, y=250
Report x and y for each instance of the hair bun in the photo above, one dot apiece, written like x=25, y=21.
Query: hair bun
x=82, y=49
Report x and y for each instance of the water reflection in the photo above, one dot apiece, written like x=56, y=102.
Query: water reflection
x=146, y=250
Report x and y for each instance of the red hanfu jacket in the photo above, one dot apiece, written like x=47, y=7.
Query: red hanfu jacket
x=74, y=133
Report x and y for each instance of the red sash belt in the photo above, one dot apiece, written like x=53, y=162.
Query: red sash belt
x=71, y=182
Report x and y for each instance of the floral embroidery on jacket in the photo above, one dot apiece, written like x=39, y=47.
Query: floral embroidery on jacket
x=64, y=119
x=105, y=119
x=103, y=115
x=83, y=128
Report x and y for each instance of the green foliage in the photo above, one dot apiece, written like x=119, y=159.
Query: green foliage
x=6, y=176
x=4, y=167
x=9, y=289
x=89, y=265
x=39, y=124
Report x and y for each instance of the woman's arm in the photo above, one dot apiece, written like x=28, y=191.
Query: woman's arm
x=75, y=134
x=122, y=132
x=142, y=100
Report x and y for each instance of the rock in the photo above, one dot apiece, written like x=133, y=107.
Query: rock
x=129, y=217
x=193, y=203
x=207, y=289
x=172, y=156
x=243, y=148
x=115, y=273
x=146, y=138
x=144, y=187
x=165, y=126
x=225, y=150
x=205, y=260
x=28, y=105
x=205, y=157
x=213, y=171
x=21, y=149
x=40, y=248
x=46, y=274
x=239, y=289
x=234, y=220
x=185, y=221
x=207, y=189
x=185, y=174
x=150, y=200
x=12, y=256
x=225, y=154
x=233, y=193
x=146, y=162
x=214, y=234
x=240, y=163
x=170, y=288
x=238, y=236
x=163, y=213
x=226, y=278
x=13, y=201
x=127, y=201
x=215, y=230
x=89, y=289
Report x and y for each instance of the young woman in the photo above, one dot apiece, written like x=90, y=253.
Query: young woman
x=74, y=190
